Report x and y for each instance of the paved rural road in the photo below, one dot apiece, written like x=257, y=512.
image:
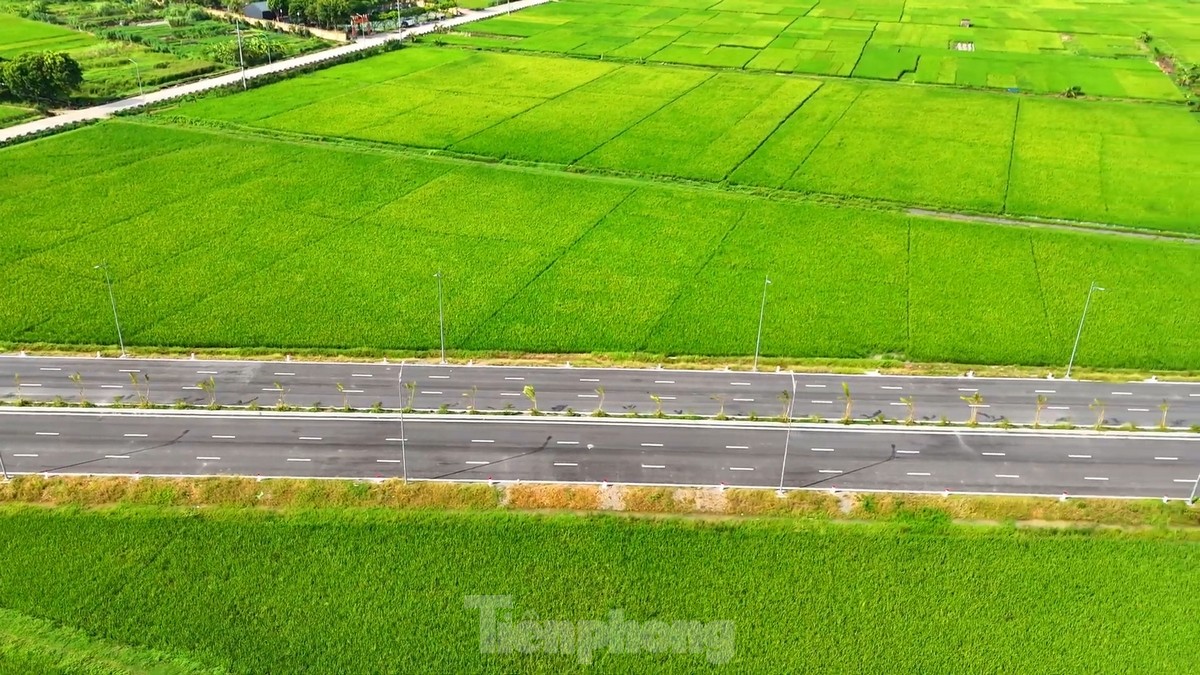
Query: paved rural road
x=581, y=449
x=178, y=91
x=557, y=388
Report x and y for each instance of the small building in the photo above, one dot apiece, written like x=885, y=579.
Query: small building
x=964, y=23
x=258, y=10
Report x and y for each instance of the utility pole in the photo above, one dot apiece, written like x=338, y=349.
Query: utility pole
x=403, y=439
x=138, y=69
x=787, y=439
x=761, y=313
x=441, y=317
x=241, y=58
x=113, y=301
x=1079, y=333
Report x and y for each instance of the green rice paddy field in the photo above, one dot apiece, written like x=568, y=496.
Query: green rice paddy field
x=354, y=592
x=1038, y=46
x=1123, y=163
x=297, y=245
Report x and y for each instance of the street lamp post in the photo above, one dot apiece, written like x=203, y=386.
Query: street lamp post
x=138, y=69
x=403, y=438
x=113, y=301
x=787, y=440
x=1093, y=288
x=241, y=58
x=761, y=313
x=441, y=317
x=2, y=469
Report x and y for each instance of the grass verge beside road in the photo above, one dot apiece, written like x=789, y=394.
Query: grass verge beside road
x=371, y=590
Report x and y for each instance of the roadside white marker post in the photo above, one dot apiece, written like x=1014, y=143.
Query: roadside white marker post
x=762, y=310
x=1093, y=288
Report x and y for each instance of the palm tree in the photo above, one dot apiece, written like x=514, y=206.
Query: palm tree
x=17, y=381
x=142, y=388
x=280, y=404
x=721, y=399
x=471, y=399
x=785, y=397
x=209, y=387
x=345, y=397
x=78, y=380
x=599, y=411
x=1163, y=408
x=1098, y=406
x=911, y=404
x=1039, y=406
x=412, y=396
x=849, y=403
x=531, y=394
x=974, y=401
x=657, y=404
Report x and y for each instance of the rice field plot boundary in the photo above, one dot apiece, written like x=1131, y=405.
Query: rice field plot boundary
x=1040, y=48
x=858, y=141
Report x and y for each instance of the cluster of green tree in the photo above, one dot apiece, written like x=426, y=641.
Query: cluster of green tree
x=40, y=78
x=324, y=13
x=256, y=49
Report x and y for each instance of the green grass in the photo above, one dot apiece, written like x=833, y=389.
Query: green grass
x=926, y=146
x=363, y=591
x=29, y=645
x=293, y=245
x=11, y=114
x=1039, y=47
x=18, y=35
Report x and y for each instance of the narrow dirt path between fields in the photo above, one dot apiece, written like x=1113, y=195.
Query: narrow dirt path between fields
x=1064, y=225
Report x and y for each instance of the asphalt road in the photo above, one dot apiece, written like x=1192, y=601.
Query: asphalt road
x=557, y=388
x=459, y=447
